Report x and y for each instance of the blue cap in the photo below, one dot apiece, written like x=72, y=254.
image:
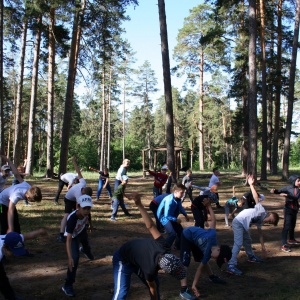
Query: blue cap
x=14, y=242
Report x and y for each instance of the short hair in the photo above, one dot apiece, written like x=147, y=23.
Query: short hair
x=76, y=180
x=215, y=169
x=126, y=161
x=276, y=218
x=87, y=191
x=189, y=171
x=178, y=186
x=34, y=194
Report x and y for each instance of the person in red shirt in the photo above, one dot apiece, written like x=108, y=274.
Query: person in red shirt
x=160, y=180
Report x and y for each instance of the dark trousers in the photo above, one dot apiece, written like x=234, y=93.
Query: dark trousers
x=174, y=231
x=290, y=218
x=81, y=238
x=200, y=215
x=4, y=222
x=122, y=277
x=61, y=185
x=5, y=287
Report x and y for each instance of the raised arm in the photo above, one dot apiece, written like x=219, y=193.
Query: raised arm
x=95, y=170
x=253, y=190
x=13, y=168
x=78, y=171
x=213, y=220
x=147, y=220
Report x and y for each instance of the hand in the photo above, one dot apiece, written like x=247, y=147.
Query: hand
x=136, y=198
x=272, y=191
x=195, y=291
x=206, y=224
x=250, y=179
x=283, y=195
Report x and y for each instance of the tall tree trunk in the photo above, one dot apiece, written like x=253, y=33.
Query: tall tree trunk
x=123, y=117
x=264, y=139
x=76, y=36
x=103, y=121
x=109, y=119
x=167, y=86
x=19, y=101
x=287, y=135
x=1, y=81
x=200, y=126
x=50, y=112
x=252, y=153
x=274, y=164
x=33, y=99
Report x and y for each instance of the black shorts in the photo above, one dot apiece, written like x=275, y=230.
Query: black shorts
x=186, y=248
x=69, y=206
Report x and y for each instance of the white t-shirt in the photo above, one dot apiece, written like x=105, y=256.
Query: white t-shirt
x=14, y=193
x=68, y=178
x=246, y=215
x=75, y=191
x=214, y=180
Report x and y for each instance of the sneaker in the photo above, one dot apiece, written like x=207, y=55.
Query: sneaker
x=285, y=248
x=215, y=279
x=187, y=295
x=231, y=269
x=56, y=203
x=68, y=290
x=61, y=238
x=293, y=242
x=254, y=258
x=88, y=255
x=113, y=219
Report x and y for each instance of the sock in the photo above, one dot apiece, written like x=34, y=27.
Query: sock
x=183, y=289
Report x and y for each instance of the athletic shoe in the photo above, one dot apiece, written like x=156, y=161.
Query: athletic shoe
x=88, y=255
x=285, y=248
x=215, y=279
x=56, y=203
x=255, y=259
x=293, y=242
x=61, y=238
x=113, y=219
x=68, y=290
x=187, y=295
x=231, y=269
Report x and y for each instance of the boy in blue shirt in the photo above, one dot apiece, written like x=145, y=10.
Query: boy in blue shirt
x=234, y=203
x=203, y=245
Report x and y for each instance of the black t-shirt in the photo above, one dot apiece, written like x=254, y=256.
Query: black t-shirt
x=103, y=176
x=144, y=254
x=250, y=202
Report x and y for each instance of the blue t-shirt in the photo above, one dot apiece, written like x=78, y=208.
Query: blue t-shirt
x=232, y=202
x=204, y=239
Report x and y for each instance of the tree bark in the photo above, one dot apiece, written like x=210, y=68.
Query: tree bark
x=50, y=111
x=33, y=99
x=75, y=44
x=252, y=153
x=167, y=86
x=288, y=129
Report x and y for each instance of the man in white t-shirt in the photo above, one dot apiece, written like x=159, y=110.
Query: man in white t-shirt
x=67, y=179
x=9, y=198
x=241, y=225
x=215, y=181
x=71, y=197
x=5, y=173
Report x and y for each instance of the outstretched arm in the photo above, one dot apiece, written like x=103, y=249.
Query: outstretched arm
x=13, y=168
x=213, y=220
x=35, y=233
x=78, y=171
x=95, y=170
x=147, y=220
x=253, y=191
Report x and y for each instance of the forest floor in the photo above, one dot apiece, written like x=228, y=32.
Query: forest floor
x=42, y=275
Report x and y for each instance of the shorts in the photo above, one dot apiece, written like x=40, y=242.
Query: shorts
x=69, y=206
x=186, y=248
